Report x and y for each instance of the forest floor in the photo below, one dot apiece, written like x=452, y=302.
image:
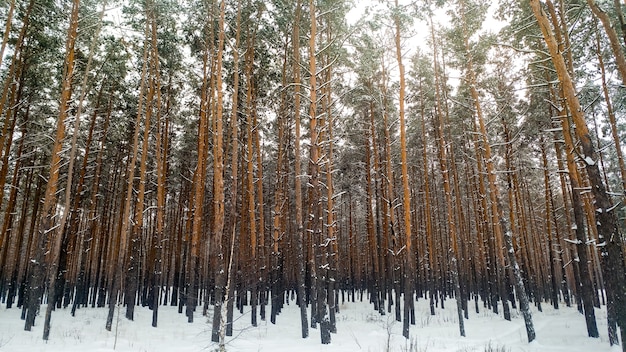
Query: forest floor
x=359, y=327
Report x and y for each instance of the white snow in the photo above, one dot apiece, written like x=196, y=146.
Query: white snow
x=589, y=161
x=359, y=327
x=572, y=241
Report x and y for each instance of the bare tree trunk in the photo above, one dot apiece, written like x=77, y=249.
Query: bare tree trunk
x=161, y=165
x=443, y=164
x=281, y=212
x=234, y=143
x=548, y=221
x=611, y=113
x=251, y=202
x=500, y=223
x=406, y=198
x=15, y=70
x=134, y=251
x=57, y=268
x=118, y=267
x=298, y=174
x=609, y=238
x=586, y=285
x=620, y=17
x=198, y=191
x=47, y=231
x=318, y=255
x=374, y=250
x=618, y=50
x=218, y=184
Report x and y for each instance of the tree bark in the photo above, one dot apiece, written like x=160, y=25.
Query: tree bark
x=618, y=51
x=609, y=238
x=500, y=223
x=406, y=196
x=298, y=174
x=234, y=169
x=46, y=231
x=218, y=185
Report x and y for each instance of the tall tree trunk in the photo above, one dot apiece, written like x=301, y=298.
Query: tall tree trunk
x=609, y=238
x=406, y=196
x=551, y=243
x=450, y=215
x=618, y=50
x=10, y=251
x=431, y=264
x=318, y=255
x=502, y=230
x=389, y=241
x=16, y=69
x=585, y=285
x=253, y=261
x=218, y=185
x=620, y=17
x=234, y=143
x=280, y=212
x=611, y=114
x=374, y=250
x=155, y=252
x=197, y=197
x=57, y=267
x=330, y=226
x=134, y=251
x=46, y=231
x=118, y=267
x=298, y=174
x=443, y=164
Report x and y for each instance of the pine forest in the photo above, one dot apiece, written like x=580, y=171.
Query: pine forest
x=217, y=156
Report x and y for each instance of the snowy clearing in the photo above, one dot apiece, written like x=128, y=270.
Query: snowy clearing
x=359, y=327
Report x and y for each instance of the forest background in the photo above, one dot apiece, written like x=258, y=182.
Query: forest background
x=216, y=155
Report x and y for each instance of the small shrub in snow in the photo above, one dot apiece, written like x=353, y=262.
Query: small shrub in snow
x=496, y=348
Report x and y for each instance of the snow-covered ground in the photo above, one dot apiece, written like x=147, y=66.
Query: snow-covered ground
x=359, y=329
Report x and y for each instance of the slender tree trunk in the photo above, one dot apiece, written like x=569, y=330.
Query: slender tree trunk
x=406, y=199
x=427, y=215
x=500, y=223
x=551, y=243
x=374, y=250
x=251, y=202
x=15, y=72
x=134, y=252
x=280, y=201
x=197, y=197
x=611, y=114
x=46, y=231
x=586, y=286
x=218, y=185
x=443, y=164
x=118, y=267
x=618, y=50
x=6, y=234
x=609, y=238
x=57, y=266
x=298, y=174
x=10, y=251
x=234, y=143
x=318, y=255
x=161, y=171
x=450, y=216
